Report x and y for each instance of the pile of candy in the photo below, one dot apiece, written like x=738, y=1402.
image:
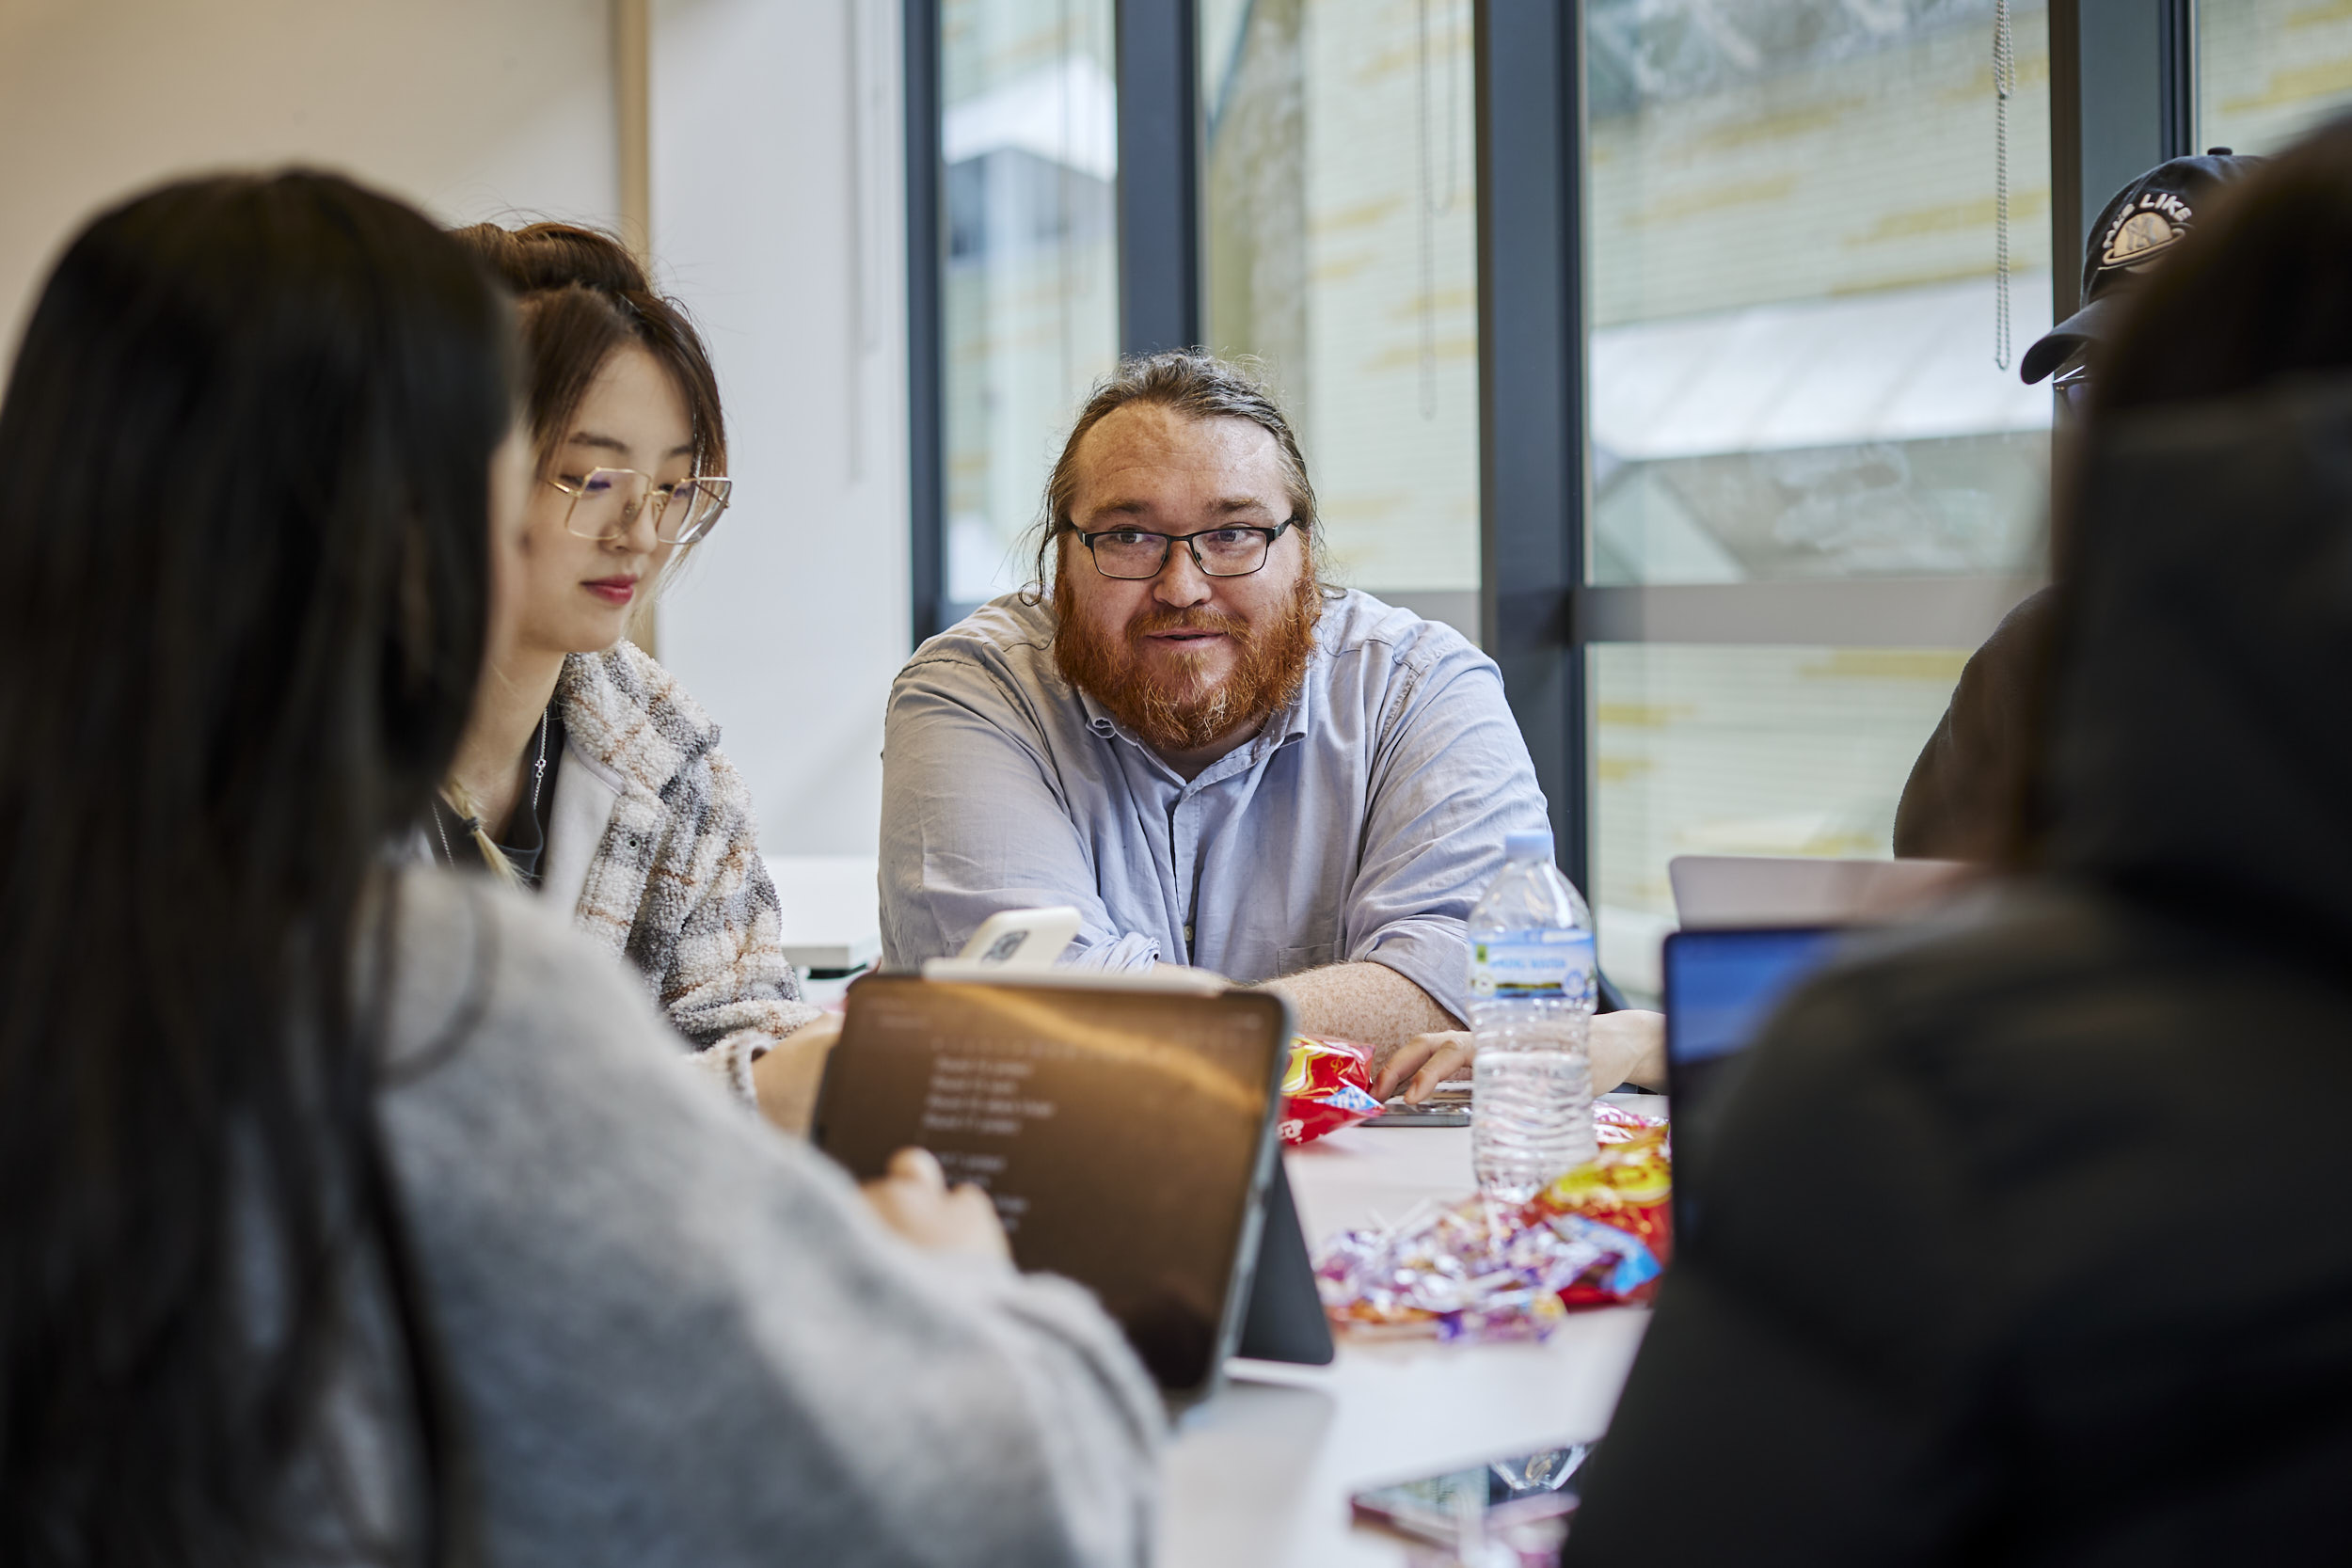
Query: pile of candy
x=1597, y=1237
x=1328, y=1087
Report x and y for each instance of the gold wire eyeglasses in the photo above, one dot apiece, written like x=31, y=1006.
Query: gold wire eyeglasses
x=606, y=503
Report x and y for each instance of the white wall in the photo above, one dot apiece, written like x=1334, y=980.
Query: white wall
x=776, y=216
x=778, y=196
x=473, y=111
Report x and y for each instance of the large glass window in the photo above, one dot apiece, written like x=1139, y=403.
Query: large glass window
x=1743, y=751
x=2270, y=69
x=1029, y=139
x=1794, y=313
x=1797, y=372
x=1340, y=244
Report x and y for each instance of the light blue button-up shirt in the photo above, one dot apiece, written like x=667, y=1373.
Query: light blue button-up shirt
x=1361, y=823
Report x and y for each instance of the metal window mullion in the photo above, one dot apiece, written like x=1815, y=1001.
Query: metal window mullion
x=1874, y=613
x=1528, y=92
x=927, y=430
x=2122, y=100
x=1159, y=180
x=2177, y=76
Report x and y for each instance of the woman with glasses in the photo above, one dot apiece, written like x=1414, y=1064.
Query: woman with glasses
x=587, y=774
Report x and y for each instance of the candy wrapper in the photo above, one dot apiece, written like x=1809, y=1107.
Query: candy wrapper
x=1626, y=1190
x=1328, y=1087
x=1597, y=1237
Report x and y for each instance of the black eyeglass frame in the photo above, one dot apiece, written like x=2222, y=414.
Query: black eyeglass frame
x=2073, y=387
x=1189, y=541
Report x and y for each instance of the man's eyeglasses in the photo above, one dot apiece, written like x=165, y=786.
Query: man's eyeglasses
x=1132, y=554
x=606, y=502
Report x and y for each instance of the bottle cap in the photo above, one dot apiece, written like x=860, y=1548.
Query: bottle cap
x=1529, y=844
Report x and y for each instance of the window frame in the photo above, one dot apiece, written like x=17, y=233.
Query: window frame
x=926, y=271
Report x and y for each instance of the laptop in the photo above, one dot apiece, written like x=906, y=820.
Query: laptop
x=1720, y=989
x=1747, y=891
x=1126, y=1134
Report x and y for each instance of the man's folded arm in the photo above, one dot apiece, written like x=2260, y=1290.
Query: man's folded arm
x=972, y=825
x=1450, y=779
x=1368, y=1003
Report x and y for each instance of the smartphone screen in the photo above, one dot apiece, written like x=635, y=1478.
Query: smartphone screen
x=1523, y=1502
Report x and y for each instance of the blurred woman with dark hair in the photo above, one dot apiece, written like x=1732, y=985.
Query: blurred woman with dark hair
x=587, y=774
x=355, y=1213
x=1993, y=1268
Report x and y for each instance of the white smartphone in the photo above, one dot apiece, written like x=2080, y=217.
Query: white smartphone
x=1019, y=947
x=1021, y=939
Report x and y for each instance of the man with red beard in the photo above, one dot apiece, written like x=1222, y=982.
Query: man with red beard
x=1220, y=762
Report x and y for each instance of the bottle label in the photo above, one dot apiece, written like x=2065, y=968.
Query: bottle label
x=1553, y=966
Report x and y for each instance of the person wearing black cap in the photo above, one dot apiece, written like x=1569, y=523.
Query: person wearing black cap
x=1994, y=1268
x=1957, y=800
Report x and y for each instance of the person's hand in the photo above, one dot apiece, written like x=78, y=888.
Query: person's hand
x=1628, y=1047
x=1420, y=1065
x=914, y=1199
x=785, y=1077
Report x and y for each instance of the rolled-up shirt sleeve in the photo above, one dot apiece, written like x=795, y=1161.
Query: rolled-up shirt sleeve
x=1452, y=777
x=974, y=822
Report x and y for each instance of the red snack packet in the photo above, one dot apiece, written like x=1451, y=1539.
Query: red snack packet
x=1626, y=1189
x=1328, y=1087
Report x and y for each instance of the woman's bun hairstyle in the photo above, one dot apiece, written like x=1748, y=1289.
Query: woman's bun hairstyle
x=582, y=295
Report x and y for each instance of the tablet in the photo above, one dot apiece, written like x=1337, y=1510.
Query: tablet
x=1127, y=1137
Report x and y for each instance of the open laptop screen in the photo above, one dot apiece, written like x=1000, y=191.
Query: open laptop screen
x=1126, y=1136
x=1721, y=988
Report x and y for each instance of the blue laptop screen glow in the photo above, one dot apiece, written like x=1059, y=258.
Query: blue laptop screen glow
x=1722, y=986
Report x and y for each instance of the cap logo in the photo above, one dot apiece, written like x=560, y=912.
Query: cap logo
x=2151, y=223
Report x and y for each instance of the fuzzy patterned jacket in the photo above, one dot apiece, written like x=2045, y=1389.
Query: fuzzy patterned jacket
x=651, y=843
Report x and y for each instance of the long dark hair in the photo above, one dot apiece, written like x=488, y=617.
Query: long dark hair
x=582, y=295
x=246, y=444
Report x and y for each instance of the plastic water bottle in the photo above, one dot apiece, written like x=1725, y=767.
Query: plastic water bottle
x=1531, y=1012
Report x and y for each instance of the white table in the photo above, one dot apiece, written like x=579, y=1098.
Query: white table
x=1262, y=1474
x=832, y=913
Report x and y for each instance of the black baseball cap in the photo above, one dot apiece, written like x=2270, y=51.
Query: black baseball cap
x=2139, y=228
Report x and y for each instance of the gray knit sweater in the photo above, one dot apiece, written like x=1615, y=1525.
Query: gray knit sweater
x=680, y=1337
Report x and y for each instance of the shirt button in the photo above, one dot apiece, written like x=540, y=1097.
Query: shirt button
x=1187, y=936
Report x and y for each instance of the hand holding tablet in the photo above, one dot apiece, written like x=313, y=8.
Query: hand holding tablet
x=913, y=1198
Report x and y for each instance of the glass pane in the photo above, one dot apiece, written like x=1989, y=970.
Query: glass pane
x=1742, y=751
x=2270, y=69
x=1795, y=309
x=1341, y=246
x=1030, y=137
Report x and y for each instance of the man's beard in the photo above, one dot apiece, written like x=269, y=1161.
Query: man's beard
x=1170, y=711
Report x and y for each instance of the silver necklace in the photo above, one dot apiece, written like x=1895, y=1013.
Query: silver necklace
x=538, y=776
x=539, y=765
